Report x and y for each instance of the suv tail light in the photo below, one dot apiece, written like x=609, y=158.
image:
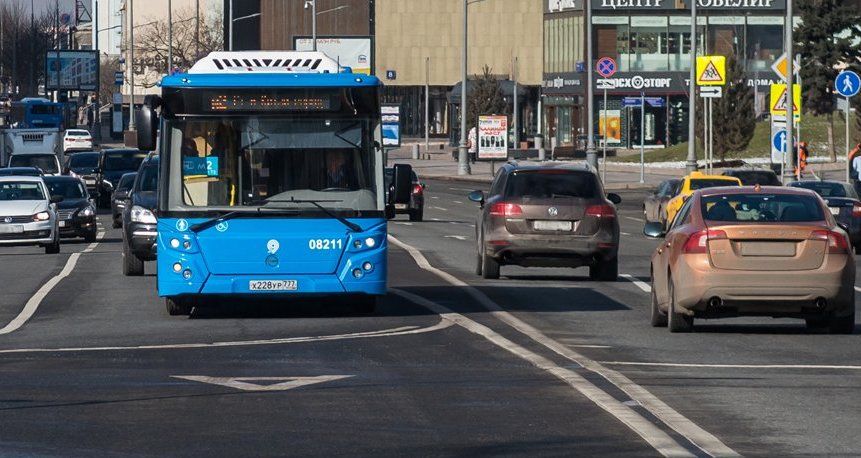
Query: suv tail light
x=505, y=209
x=837, y=243
x=418, y=189
x=856, y=210
x=601, y=211
x=696, y=243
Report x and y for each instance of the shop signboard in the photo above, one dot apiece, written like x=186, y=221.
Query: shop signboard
x=614, y=123
x=493, y=137
x=665, y=5
x=559, y=6
x=655, y=82
x=563, y=83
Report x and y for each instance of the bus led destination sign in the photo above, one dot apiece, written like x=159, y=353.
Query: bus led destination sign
x=263, y=102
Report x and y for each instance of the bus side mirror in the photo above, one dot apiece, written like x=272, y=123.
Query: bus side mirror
x=402, y=181
x=390, y=211
x=146, y=120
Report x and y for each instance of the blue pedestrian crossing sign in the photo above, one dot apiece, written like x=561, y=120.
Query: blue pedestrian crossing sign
x=847, y=83
x=778, y=141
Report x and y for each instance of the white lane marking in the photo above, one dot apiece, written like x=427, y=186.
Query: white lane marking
x=403, y=223
x=245, y=383
x=658, y=439
x=858, y=289
x=625, y=233
x=461, y=189
x=682, y=425
x=736, y=366
x=434, y=197
x=36, y=299
x=401, y=331
x=639, y=220
x=457, y=201
x=458, y=237
x=441, y=209
x=640, y=284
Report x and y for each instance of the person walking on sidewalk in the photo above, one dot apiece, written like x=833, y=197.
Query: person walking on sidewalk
x=472, y=144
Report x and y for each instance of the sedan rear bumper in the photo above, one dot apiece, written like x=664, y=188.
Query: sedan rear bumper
x=703, y=290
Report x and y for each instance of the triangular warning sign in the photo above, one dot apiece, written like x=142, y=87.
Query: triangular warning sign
x=261, y=383
x=710, y=74
x=780, y=105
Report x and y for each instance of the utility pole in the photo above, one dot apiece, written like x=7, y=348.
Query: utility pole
x=169, y=37
x=591, y=154
x=196, y=30
x=34, y=87
x=131, y=65
x=2, y=53
x=515, y=118
x=791, y=149
x=463, y=151
x=230, y=26
x=427, y=106
x=314, y=25
x=57, y=60
x=691, y=164
x=97, y=118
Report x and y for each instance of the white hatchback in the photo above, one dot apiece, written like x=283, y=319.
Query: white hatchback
x=28, y=214
x=77, y=140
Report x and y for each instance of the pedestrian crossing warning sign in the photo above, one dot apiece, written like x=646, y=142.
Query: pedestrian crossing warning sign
x=778, y=102
x=711, y=70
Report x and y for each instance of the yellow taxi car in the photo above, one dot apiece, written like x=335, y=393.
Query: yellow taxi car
x=691, y=183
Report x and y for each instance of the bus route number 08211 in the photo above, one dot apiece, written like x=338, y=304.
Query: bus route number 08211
x=325, y=244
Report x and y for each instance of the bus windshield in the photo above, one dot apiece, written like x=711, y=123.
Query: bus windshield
x=258, y=161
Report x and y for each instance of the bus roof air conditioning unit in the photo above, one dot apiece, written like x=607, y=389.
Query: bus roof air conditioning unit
x=266, y=62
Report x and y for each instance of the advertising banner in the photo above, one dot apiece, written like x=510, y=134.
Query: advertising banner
x=614, y=123
x=77, y=70
x=349, y=52
x=493, y=137
x=391, y=124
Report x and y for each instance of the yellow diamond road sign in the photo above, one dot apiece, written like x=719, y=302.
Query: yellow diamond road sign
x=778, y=100
x=711, y=70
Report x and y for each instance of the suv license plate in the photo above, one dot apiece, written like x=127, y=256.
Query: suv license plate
x=552, y=225
x=273, y=285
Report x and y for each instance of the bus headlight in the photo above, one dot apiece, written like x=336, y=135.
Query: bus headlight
x=370, y=242
x=174, y=243
x=142, y=215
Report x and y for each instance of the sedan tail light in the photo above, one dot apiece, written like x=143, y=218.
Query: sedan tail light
x=697, y=242
x=856, y=210
x=418, y=189
x=601, y=211
x=505, y=209
x=837, y=243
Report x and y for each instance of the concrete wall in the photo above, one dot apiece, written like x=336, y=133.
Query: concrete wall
x=408, y=31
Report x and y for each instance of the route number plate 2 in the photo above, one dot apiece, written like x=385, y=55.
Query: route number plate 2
x=273, y=285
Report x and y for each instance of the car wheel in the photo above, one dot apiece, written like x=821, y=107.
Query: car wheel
x=658, y=318
x=118, y=223
x=478, y=262
x=177, y=307
x=132, y=265
x=605, y=270
x=417, y=215
x=858, y=248
x=843, y=324
x=366, y=304
x=53, y=247
x=677, y=322
x=91, y=237
x=489, y=267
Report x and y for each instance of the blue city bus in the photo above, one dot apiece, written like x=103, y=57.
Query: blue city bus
x=37, y=113
x=271, y=181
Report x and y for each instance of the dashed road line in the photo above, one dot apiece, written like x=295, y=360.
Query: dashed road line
x=457, y=237
x=440, y=208
x=639, y=220
x=736, y=366
x=701, y=438
x=639, y=283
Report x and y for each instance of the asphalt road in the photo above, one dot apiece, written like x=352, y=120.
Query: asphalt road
x=540, y=362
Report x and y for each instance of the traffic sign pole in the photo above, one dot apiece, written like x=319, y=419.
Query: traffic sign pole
x=604, y=160
x=606, y=67
x=847, y=84
x=848, y=165
x=642, y=136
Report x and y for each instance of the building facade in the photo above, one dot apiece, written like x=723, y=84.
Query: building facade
x=419, y=43
x=563, y=88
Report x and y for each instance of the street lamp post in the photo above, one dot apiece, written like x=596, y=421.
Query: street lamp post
x=97, y=121
x=169, y=37
x=462, y=150
x=691, y=164
x=230, y=26
x=791, y=150
x=131, y=66
x=591, y=154
x=313, y=5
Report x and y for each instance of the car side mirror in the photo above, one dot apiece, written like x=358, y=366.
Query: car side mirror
x=390, y=211
x=146, y=120
x=477, y=197
x=615, y=198
x=654, y=230
x=56, y=198
x=843, y=226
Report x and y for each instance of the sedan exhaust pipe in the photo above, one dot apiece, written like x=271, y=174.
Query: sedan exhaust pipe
x=821, y=303
x=715, y=302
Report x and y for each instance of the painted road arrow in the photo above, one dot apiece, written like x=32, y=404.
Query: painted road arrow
x=249, y=383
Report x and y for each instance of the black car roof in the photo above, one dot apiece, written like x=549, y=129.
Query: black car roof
x=61, y=178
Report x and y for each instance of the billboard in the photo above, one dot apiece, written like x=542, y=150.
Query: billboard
x=353, y=52
x=391, y=124
x=76, y=70
x=493, y=137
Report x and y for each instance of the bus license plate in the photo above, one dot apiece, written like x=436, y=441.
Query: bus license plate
x=273, y=285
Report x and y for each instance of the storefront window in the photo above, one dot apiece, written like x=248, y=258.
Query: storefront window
x=612, y=39
x=648, y=44
x=726, y=35
x=764, y=42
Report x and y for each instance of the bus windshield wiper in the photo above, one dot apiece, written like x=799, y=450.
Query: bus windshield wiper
x=251, y=212
x=350, y=225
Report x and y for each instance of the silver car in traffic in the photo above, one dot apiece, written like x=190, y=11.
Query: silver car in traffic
x=28, y=213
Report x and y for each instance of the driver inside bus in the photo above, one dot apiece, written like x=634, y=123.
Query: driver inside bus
x=337, y=171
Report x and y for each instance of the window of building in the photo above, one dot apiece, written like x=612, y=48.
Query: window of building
x=648, y=44
x=612, y=39
x=764, y=43
x=726, y=35
x=679, y=41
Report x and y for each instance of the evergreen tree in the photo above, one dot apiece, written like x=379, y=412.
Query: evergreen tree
x=734, y=116
x=485, y=98
x=826, y=38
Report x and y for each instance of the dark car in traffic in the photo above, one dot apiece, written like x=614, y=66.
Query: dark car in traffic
x=654, y=206
x=547, y=216
x=118, y=200
x=416, y=207
x=753, y=177
x=113, y=164
x=21, y=172
x=139, y=221
x=84, y=165
x=76, y=213
x=843, y=203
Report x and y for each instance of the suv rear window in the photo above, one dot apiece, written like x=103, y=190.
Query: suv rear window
x=548, y=184
x=762, y=208
x=46, y=162
x=84, y=160
x=756, y=178
x=702, y=183
x=826, y=189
